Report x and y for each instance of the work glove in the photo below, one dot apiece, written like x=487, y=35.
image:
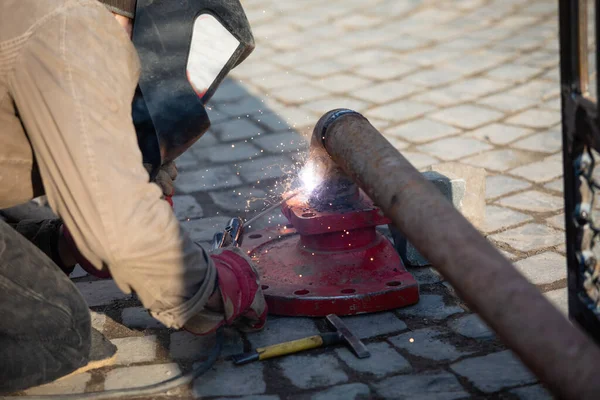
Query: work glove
x=243, y=302
x=164, y=178
x=81, y=260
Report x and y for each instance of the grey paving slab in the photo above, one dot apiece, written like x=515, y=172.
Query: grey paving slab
x=535, y=118
x=238, y=129
x=427, y=343
x=535, y=392
x=500, y=133
x=533, y=200
x=472, y=327
x=433, y=77
x=98, y=320
x=557, y=221
x=559, y=298
x=186, y=207
x=499, y=185
x=298, y=94
x=323, y=105
x=141, y=375
x=419, y=160
x=508, y=102
x=431, y=306
x=138, y=317
x=282, y=329
x=385, y=70
x=228, y=153
x=264, y=168
x=282, y=142
x=475, y=87
x=499, y=217
x=248, y=380
x=494, y=372
x=466, y=116
x=435, y=385
x=78, y=272
x=384, y=360
x=385, y=92
x=187, y=346
x=71, y=384
x=530, y=237
x=312, y=371
x=540, y=171
x=425, y=275
x=400, y=111
x=422, y=130
x=543, y=268
x=100, y=293
x=204, y=180
x=341, y=83
x=514, y=72
x=203, y=230
x=136, y=349
x=351, y=391
x=454, y=148
x=547, y=142
x=240, y=199
x=370, y=325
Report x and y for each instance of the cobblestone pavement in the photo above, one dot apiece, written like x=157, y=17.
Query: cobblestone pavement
x=473, y=81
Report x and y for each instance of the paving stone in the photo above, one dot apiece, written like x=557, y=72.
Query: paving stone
x=437, y=385
x=559, y=298
x=341, y=83
x=535, y=118
x=187, y=346
x=310, y=371
x=508, y=102
x=499, y=133
x=399, y=111
x=385, y=92
x=499, y=185
x=237, y=129
x=100, y=293
x=530, y=237
x=204, y=180
x=454, y=148
x=203, y=230
x=466, y=116
x=140, y=375
x=541, y=171
x=471, y=326
x=431, y=306
x=494, y=372
x=98, y=320
x=556, y=185
x=370, y=325
x=499, y=217
x=532, y=200
x=419, y=160
x=433, y=77
x=240, y=199
x=558, y=221
x=547, y=142
x=138, y=317
x=248, y=380
x=78, y=272
x=544, y=268
x=473, y=88
x=71, y=384
x=233, y=152
x=426, y=343
x=513, y=72
x=384, y=360
x=425, y=275
x=351, y=391
x=282, y=142
x=535, y=392
x=323, y=105
x=186, y=207
x=281, y=329
x=422, y=130
x=136, y=349
x=264, y=168
x=298, y=94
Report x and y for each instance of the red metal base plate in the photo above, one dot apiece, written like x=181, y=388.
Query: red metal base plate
x=299, y=282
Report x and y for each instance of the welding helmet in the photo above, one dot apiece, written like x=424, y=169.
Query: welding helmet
x=186, y=48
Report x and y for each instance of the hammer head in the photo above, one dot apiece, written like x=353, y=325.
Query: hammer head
x=354, y=342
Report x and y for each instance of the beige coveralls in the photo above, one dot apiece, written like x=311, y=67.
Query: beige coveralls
x=68, y=72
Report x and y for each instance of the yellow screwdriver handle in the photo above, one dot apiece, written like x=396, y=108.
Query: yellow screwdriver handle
x=294, y=346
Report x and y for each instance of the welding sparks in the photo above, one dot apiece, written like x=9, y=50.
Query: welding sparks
x=310, y=178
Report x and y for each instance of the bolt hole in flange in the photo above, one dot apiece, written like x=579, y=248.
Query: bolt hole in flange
x=348, y=291
x=394, y=283
x=264, y=287
x=255, y=236
x=301, y=292
x=308, y=215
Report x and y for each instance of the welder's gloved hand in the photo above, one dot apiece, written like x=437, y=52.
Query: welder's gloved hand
x=165, y=177
x=243, y=304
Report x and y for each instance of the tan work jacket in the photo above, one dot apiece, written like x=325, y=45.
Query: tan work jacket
x=68, y=72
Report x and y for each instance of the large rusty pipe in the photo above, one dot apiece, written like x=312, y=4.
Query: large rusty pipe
x=561, y=355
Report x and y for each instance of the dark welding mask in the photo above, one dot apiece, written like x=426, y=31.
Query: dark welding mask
x=186, y=48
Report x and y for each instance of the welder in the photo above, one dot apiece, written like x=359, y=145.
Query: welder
x=95, y=123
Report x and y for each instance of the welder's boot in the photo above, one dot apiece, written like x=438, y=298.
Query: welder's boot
x=102, y=354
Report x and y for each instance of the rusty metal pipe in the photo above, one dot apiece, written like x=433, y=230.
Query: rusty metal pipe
x=561, y=355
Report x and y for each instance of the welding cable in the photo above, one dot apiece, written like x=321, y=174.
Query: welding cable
x=153, y=389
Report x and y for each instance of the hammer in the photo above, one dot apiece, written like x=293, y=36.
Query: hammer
x=341, y=335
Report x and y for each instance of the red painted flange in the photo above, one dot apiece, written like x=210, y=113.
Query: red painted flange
x=330, y=263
